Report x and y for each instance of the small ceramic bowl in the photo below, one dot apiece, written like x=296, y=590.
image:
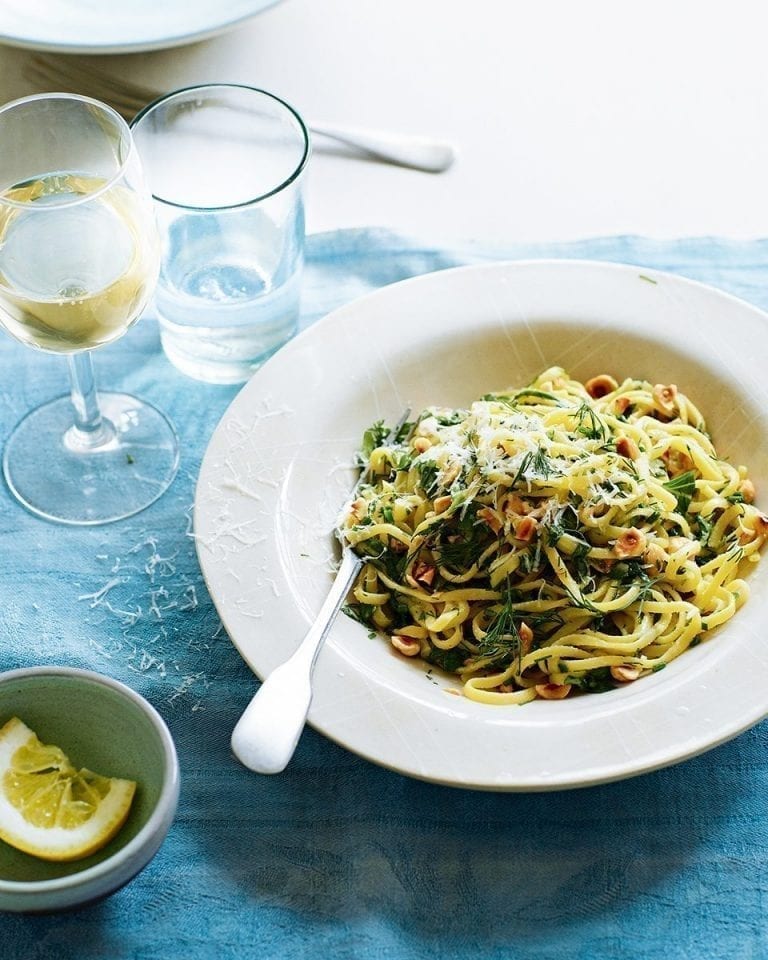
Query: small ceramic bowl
x=105, y=726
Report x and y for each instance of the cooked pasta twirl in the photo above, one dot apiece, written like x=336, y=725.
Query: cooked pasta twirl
x=563, y=536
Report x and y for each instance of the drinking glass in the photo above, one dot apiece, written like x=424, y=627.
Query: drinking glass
x=79, y=257
x=225, y=163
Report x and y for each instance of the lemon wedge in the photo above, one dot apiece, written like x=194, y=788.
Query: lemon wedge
x=48, y=807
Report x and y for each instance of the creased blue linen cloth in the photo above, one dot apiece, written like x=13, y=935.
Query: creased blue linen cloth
x=336, y=857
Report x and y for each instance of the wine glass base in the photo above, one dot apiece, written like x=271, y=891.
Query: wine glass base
x=59, y=478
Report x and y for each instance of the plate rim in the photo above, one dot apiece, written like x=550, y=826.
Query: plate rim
x=138, y=45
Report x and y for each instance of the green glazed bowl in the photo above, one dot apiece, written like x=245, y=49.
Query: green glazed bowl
x=105, y=726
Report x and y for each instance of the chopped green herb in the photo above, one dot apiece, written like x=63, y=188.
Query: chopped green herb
x=362, y=612
x=428, y=471
x=538, y=394
x=448, y=660
x=565, y=521
x=542, y=466
x=589, y=424
x=372, y=438
x=452, y=418
x=521, y=469
x=393, y=564
x=592, y=681
x=683, y=486
x=501, y=643
x=705, y=526
x=459, y=540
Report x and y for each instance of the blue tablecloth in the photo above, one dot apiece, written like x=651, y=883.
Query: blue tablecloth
x=336, y=857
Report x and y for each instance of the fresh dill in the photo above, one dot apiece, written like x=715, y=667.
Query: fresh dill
x=459, y=541
x=522, y=467
x=589, y=424
x=535, y=463
x=684, y=487
x=501, y=643
x=566, y=520
x=584, y=603
x=632, y=573
x=542, y=466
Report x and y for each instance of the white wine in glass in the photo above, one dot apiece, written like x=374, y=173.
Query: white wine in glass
x=79, y=257
x=75, y=275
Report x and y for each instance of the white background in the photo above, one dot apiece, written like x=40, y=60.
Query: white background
x=571, y=119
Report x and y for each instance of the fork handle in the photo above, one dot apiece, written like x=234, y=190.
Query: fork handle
x=419, y=153
x=265, y=737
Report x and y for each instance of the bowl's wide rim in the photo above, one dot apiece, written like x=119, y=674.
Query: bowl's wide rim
x=308, y=356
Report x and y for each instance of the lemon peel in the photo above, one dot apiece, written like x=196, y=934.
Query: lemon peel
x=49, y=808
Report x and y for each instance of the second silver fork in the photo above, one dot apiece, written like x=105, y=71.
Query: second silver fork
x=71, y=75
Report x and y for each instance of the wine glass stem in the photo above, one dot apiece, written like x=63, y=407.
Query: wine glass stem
x=89, y=430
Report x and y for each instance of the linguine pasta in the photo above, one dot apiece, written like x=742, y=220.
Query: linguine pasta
x=562, y=536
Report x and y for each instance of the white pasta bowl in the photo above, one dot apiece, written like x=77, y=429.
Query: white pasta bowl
x=279, y=467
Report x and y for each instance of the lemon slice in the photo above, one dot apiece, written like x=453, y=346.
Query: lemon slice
x=49, y=808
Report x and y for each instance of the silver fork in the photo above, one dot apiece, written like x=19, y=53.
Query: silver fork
x=266, y=735
x=71, y=75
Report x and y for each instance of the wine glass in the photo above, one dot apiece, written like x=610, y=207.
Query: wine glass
x=79, y=258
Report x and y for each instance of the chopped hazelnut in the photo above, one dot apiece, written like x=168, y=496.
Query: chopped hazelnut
x=665, y=398
x=601, y=385
x=491, y=518
x=626, y=447
x=630, y=544
x=625, y=672
x=747, y=489
x=423, y=574
x=405, y=645
x=525, y=529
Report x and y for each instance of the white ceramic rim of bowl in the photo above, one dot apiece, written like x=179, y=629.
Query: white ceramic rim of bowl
x=114, y=38
x=141, y=848
x=262, y=591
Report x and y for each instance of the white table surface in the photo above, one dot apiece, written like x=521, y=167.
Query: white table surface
x=571, y=119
